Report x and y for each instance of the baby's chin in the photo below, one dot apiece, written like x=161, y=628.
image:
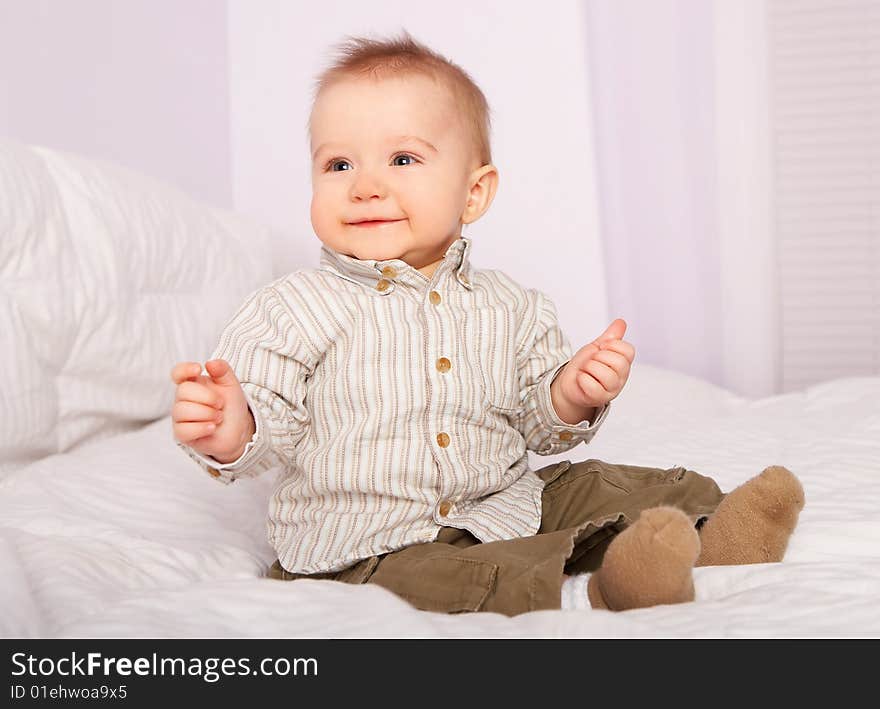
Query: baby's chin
x=375, y=246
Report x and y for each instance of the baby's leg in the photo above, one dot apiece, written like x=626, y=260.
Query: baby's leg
x=650, y=563
x=753, y=523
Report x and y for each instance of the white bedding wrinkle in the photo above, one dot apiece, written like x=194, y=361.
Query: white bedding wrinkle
x=124, y=538
x=21, y=617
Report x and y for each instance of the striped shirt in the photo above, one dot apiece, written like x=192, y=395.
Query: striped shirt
x=394, y=404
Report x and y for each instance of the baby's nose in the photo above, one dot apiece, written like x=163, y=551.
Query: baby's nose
x=367, y=187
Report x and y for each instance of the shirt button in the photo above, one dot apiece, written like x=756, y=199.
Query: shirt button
x=443, y=365
x=389, y=272
x=565, y=436
x=382, y=285
x=434, y=297
x=214, y=472
x=445, y=507
x=442, y=439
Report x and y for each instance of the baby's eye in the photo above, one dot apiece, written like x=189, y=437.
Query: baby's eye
x=397, y=158
x=339, y=165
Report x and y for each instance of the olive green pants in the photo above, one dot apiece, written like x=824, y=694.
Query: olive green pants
x=584, y=505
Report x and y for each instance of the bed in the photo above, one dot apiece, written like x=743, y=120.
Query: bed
x=108, y=530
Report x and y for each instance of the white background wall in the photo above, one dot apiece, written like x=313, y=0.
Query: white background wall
x=143, y=83
x=654, y=87
x=684, y=161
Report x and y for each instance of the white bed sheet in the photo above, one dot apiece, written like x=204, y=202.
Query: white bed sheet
x=126, y=538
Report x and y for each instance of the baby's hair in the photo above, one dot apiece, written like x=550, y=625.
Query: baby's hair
x=361, y=57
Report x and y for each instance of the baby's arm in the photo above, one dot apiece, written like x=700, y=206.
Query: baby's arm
x=539, y=422
x=271, y=362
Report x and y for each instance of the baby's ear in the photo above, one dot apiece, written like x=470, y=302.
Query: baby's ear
x=483, y=184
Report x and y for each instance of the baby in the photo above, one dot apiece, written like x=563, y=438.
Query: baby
x=398, y=389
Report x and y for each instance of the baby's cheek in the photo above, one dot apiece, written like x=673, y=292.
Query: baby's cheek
x=323, y=216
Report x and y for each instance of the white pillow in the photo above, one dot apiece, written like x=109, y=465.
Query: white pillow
x=107, y=278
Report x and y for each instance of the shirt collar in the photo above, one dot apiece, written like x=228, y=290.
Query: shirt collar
x=382, y=276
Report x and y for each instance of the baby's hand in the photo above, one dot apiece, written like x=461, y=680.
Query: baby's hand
x=210, y=413
x=597, y=371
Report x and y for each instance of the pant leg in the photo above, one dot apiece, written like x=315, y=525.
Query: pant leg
x=610, y=497
x=509, y=576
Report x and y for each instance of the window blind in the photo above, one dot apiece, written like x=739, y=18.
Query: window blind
x=825, y=108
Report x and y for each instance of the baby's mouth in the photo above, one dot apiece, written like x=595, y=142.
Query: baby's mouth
x=372, y=223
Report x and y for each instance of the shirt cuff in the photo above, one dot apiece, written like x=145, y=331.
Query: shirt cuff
x=254, y=448
x=550, y=419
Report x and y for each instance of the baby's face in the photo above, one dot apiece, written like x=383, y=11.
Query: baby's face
x=391, y=151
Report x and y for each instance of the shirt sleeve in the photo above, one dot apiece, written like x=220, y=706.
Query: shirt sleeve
x=272, y=363
x=538, y=422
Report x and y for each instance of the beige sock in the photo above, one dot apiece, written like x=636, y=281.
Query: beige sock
x=753, y=523
x=649, y=563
